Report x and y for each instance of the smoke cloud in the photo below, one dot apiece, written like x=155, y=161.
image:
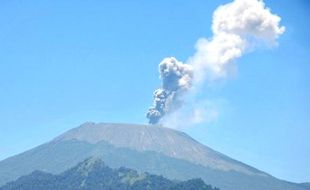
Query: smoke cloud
x=177, y=79
x=238, y=27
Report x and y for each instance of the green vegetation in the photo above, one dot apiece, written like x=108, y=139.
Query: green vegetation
x=93, y=174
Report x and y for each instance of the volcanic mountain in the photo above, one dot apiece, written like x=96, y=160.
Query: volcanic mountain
x=154, y=149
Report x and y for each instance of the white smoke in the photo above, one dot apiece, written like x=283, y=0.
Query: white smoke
x=202, y=111
x=238, y=27
x=247, y=18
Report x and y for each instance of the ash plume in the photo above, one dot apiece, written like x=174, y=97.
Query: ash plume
x=177, y=79
x=238, y=28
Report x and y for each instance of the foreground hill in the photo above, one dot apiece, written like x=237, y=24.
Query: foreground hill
x=152, y=149
x=92, y=174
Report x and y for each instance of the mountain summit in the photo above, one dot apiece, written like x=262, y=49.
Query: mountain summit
x=158, y=139
x=157, y=150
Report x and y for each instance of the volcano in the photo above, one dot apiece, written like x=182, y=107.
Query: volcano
x=154, y=149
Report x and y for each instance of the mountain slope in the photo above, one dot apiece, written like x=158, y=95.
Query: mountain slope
x=158, y=139
x=92, y=174
x=306, y=185
x=157, y=150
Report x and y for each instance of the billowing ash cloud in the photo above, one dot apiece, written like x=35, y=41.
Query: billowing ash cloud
x=238, y=27
x=177, y=79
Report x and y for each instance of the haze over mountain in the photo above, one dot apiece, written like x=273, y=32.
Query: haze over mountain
x=157, y=150
x=93, y=174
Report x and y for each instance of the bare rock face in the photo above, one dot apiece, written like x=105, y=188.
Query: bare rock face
x=159, y=139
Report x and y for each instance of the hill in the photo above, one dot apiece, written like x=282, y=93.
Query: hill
x=93, y=174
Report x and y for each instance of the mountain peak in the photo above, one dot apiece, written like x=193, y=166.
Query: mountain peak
x=158, y=139
x=89, y=164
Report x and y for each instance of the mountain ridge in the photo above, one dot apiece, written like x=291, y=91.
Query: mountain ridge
x=93, y=174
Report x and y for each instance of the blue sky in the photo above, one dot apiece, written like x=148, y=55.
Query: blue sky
x=63, y=63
